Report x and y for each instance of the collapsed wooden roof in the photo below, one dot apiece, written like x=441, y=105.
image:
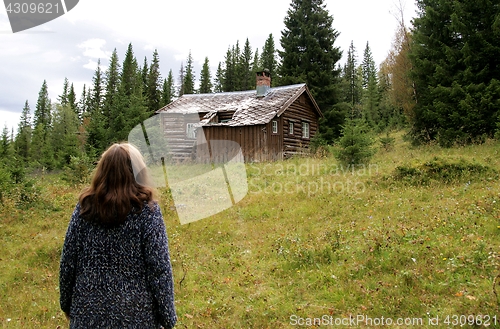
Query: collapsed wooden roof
x=248, y=108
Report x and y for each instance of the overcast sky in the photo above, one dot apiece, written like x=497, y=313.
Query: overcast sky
x=70, y=46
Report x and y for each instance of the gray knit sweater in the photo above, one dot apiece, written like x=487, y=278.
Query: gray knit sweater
x=118, y=277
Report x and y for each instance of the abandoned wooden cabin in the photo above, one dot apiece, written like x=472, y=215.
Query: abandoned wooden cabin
x=268, y=123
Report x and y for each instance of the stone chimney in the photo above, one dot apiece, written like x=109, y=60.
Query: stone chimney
x=263, y=83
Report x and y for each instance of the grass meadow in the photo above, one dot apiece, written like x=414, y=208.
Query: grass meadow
x=411, y=240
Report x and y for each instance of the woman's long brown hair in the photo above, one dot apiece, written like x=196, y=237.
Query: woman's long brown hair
x=114, y=190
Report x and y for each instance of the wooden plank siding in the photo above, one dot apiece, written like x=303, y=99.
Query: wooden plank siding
x=174, y=127
x=250, y=138
x=302, y=110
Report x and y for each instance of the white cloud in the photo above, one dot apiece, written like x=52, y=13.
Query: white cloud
x=93, y=48
x=53, y=56
x=91, y=65
x=9, y=119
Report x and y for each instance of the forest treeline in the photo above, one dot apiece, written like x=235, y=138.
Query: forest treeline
x=440, y=80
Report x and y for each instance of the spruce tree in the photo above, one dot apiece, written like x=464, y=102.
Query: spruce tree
x=129, y=70
x=247, y=78
x=64, y=135
x=168, y=89
x=112, y=78
x=309, y=54
x=229, y=81
x=205, y=78
x=355, y=144
x=43, y=106
x=352, y=91
x=72, y=99
x=456, y=68
x=368, y=66
x=238, y=66
x=23, y=138
x=182, y=77
x=219, y=79
x=189, y=78
x=5, y=144
x=268, y=58
x=63, y=98
x=370, y=88
x=82, y=104
x=144, y=75
x=256, y=64
x=154, y=84
x=97, y=96
x=97, y=121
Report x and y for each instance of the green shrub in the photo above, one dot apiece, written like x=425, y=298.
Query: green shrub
x=355, y=143
x=387, y=142
x=5, y=183
x=79, y=169
x=443, y=170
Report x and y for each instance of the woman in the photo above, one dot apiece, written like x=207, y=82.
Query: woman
x=115, y=269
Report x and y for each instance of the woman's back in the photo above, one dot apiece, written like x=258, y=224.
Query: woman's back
x=120, y=275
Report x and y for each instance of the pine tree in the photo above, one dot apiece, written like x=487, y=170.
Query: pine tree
x=97, y=121
x=131, y=105
x=43, y=106
x=168, y=90
x=368, y=65
x=219, y=79
x=455, y=57
x=237, y=65
x=268, y=58
x=129, y=70
x=256, y=66
x=309, y=54
x=112, y=78
x=23, y=137
x=205, y=78
x=154, y=84
x=84, y=103
x=5, y=147
x=72, y=99
x=370, y=88
x=144, y=75
x=97, y=96
x=352, y=93
x=247, y=78
x=229, y=81
x=182, y=77
x=355, y=144
x=63, y=99
x=189, y=78
x=64, y=135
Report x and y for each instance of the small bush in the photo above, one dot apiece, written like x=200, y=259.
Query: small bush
x=355, y=143
x=387, y=142
x=442, y=170
x=27, y=193
x=5, y=184
x=79, y=169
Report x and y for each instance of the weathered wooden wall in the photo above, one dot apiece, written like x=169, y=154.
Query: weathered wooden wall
x=253, y=141
x=302, y=110
x=180, y=147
